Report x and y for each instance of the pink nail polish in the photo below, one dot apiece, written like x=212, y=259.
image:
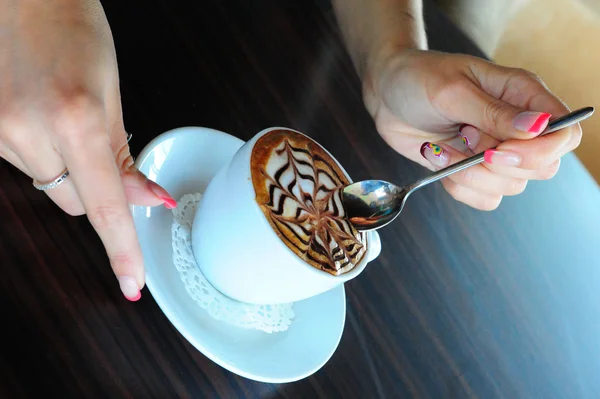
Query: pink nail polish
x=532, y=122
x=504, y=158
x=129, y=288
x=170, y=203
x=435, y=154
x=161, y=193
x=469, y=135
x=135, y=298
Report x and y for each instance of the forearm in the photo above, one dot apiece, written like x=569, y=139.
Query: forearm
x=375, y=29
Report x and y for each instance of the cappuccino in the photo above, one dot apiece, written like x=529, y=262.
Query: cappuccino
x=297, y=185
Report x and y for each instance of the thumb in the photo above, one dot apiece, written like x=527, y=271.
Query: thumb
x=497, y=118
x=142, y=191
x=139, y=190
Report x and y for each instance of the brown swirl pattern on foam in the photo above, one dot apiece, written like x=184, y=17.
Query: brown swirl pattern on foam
x=297, y=187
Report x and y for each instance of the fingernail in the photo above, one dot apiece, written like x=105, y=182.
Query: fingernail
x=505, y=158
x=469, y=135
x=435, y=154
x=532, y=122
x=130, y=288
x=161, y=193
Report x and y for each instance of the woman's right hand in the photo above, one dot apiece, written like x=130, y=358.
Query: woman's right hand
x=438, y=109
x=60, y=109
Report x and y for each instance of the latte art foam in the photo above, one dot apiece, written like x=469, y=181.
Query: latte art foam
x=297, y=186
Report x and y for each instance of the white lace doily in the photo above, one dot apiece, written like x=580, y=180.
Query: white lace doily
x=267, y=318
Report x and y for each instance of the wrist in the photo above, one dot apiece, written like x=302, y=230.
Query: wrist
x=388, y=50
x=382, y=71
x=374, y=28
x=405, y=32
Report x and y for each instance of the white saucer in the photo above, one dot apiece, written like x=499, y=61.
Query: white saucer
x=183, y=161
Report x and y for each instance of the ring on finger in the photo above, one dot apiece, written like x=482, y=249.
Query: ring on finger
x=53, y=183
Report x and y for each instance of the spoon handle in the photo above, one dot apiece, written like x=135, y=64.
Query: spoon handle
x=554, y=125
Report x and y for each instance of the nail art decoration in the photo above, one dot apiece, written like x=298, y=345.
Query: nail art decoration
x=168, y=201
x=436, y=149
x=469, y=135
x=435, y=154
x=463, y=138
x=505, y=158
x=487, y=155
x=129, y=288
x=532, y=122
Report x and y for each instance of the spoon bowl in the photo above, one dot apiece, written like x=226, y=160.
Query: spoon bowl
x=372, y=204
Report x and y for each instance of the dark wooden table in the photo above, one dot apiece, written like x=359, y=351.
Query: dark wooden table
x=460, y=304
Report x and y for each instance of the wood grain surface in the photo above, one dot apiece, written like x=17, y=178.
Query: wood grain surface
x=460, y=303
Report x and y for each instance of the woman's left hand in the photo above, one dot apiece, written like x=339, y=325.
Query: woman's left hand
x=438, y=109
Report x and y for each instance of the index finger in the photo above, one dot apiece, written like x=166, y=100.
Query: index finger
x=92, y=167
x=513, y=103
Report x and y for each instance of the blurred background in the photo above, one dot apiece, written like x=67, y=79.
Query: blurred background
x=556, y=39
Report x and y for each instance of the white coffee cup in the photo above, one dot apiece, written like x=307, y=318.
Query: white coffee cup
x=240, y=254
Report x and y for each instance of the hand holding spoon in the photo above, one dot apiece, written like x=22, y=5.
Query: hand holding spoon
x=372, y=204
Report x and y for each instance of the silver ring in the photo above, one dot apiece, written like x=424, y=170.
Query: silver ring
x=50, y=185
x=129, y=137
